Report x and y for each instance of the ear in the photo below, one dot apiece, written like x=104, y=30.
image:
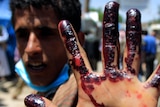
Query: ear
x=81, y=37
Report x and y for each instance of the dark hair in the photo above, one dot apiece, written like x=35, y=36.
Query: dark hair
x=144, y=32
x=66, y=9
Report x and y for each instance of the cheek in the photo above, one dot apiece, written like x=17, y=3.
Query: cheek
x=60, y=54
x=21, y=47
x=56, y=60
x=55, y=52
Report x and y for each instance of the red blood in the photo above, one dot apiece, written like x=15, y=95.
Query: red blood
x=77, y=61
x=155, y=81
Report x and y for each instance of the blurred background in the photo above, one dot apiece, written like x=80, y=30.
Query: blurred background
x=92, y=17
x=150, y=11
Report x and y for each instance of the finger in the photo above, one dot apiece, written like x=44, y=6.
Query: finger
x=131, y=61
x=76, y=54
x=154, y=79
x=110, y=51
x=48, y=103
x=34, y=100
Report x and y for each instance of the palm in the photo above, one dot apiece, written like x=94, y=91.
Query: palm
x=124, y=93
x=113, y=87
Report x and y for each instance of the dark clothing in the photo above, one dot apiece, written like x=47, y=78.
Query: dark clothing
x=149, y=64
x=91, y=48
x=150, y=53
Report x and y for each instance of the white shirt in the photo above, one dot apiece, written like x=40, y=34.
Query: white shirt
x=4, y=36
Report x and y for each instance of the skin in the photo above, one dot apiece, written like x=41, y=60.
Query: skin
x=113, y=87
x=37, y=40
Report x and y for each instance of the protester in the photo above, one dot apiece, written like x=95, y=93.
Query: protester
x=43, y=65
x=112, y=88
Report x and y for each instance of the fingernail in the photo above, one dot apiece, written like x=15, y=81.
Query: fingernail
x=133, y=21
x=111, y=12
x=66, y=29
x=63, y=24
x=33, y=100
x=112, y=5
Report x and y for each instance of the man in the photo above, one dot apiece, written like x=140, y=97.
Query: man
x=5, y=71
x=43, y=65
x=112, y=87
x=150, y=50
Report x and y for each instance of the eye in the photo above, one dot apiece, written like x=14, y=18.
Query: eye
x=22, y=33
x=46, y=31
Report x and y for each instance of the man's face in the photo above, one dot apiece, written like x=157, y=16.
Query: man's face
x=39, y=44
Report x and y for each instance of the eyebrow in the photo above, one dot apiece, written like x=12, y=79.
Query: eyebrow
x=38, y=27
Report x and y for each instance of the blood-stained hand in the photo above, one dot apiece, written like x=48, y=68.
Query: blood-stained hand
x=113, y=87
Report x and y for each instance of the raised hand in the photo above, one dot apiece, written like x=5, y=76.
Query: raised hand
x=113, y=87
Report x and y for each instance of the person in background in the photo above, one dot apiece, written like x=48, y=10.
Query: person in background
x=90, y=29
x=4, y=65
x=142, y=72
x=122, y=42
x=149, y=48
x=112, y=87
x=5, y=21
x=10, y=51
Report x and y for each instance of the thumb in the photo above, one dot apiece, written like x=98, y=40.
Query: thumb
x=34, y=100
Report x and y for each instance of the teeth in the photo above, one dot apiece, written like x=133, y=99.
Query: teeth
x=35, y=64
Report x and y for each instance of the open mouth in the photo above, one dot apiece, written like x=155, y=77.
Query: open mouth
x=36, y=66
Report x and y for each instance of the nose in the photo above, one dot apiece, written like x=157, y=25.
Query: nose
x=33, y=46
